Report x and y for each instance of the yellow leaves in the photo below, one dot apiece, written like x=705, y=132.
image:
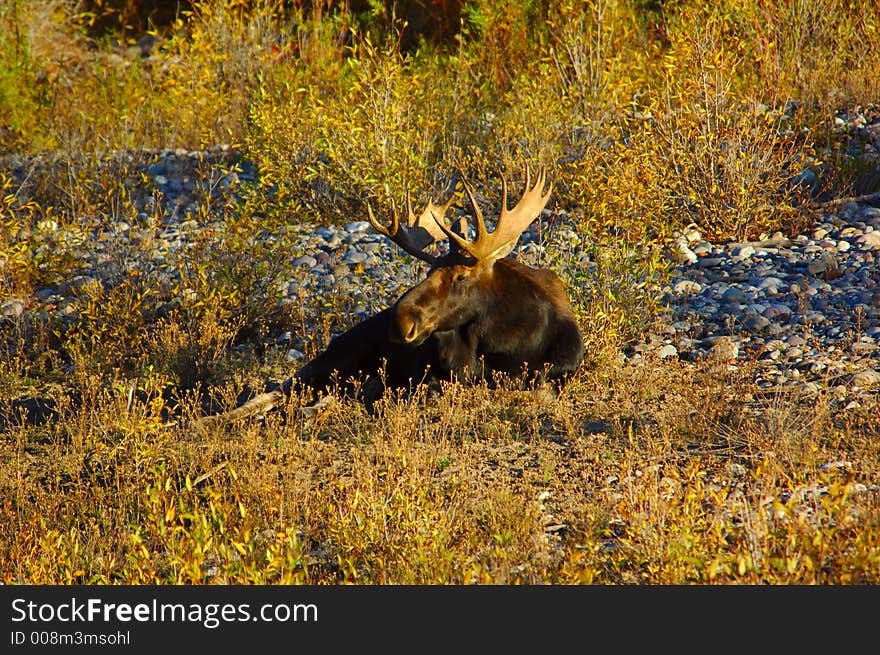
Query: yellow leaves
x=717, y=568
x=205, y=531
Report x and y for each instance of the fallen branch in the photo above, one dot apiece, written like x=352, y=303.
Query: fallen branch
x=258, y=406
x=868, y=197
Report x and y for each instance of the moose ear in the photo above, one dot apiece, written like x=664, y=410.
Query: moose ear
x=460, y=227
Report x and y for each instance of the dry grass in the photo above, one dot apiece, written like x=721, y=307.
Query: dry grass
x=637, y=475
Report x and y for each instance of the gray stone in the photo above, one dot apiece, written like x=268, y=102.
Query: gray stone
x=733, y=295
x=684, y=287
x=724, y=350
x=869, y=240
x=743, y=252
x=306, y=261
x=294, y=355
x=681, y=253
x=12, y=308
x=867, y=379
x=771, y=285
x=777, y=312
x=756, y=323
x=354, y=257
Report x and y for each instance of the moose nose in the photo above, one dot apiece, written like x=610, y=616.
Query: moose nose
x=411, y=334
x=406, y=327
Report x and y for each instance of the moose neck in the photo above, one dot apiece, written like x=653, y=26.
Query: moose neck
x=507, y=291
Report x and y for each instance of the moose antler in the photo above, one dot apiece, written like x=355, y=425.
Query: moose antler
x=419, y=233
x=511, y=222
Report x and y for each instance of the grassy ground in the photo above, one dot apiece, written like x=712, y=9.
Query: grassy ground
x=651, y=116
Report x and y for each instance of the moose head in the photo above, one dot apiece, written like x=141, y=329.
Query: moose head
x=504, y=316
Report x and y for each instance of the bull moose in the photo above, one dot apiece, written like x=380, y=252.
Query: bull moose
x=477, y=315
x=508, y=318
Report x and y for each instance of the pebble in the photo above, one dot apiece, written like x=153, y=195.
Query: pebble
x=725, y=349
x=807, y=310
x=682, y=253
x=354, y=257
x=869, y=241
x=305, y=261
x=11, y=308
x=756, y=323
x=867, y=379
x=294, y=355
x=683, y=287
x=358, y=227
x=770, y=285
x=742, y=252
x=733, y=295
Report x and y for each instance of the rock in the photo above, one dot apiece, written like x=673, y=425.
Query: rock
x=734, y=296
x=777, y=312
x=306, y=261
x=12, y=308
x=76, y=284
x=710, y=262
x=867, y=379
x=869, y=240
x=681, y=253
x=354, y=257
x=743, y=252
x=357, y=227
x=294, y=355
x=684, y=287
x=839, y=464
x=725, y=349
x=771, y=285
x=756, y=323
x=807, y=179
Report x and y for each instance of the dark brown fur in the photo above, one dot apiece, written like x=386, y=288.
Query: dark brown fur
x=509, y=318
x=365, y=358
